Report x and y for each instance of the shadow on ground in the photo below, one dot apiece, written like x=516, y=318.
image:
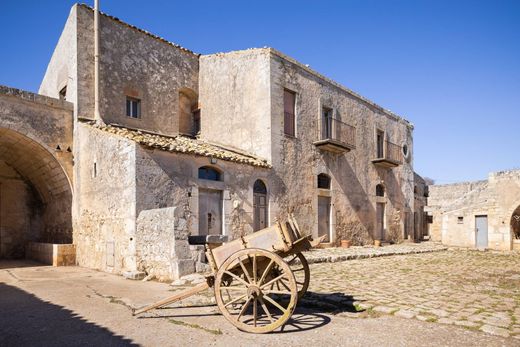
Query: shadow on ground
x=24, y=319
x=311, y=311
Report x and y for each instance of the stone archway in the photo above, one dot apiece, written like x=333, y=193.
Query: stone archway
x=35, y=195
x=515, y=224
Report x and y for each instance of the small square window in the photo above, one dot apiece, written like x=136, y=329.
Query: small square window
x=460, y=220
x=133, y=107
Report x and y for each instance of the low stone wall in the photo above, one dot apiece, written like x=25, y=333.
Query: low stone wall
x=162, y=245
x=52, y=254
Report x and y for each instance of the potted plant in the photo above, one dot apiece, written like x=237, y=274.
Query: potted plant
x=345, y=243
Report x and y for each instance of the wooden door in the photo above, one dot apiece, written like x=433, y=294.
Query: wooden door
x=210, y=212
x=380, y=221
x=260, y=211
x=324, y=217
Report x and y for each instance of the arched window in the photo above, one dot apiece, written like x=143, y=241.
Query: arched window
x=323, y=181
x=380, y=190
x=259, y=187
x=209, y=173
x=260, y=205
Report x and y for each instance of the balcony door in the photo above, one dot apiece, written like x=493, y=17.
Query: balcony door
x=326, y=123
x=380, y=141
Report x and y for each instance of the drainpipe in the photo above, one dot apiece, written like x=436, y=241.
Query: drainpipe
x=97, y=116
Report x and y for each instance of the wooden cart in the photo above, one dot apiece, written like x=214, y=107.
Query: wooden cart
x=257, y=278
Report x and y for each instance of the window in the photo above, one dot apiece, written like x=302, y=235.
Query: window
x=323, y=181
x=196, y=121
x=289, y=102
x=133, y=107
x=380, y=140
x=380, y=190
x=259, y=187
x=209, y=173
x=63, y=93
x=405, y=150
x=326, y=123
x=460, y=220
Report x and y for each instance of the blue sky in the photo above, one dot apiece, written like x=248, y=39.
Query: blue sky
x=450, y=67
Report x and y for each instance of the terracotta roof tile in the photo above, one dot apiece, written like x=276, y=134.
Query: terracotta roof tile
x=183, y=144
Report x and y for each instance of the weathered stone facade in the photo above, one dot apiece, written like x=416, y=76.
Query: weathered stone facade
x=141, y=186
x=455, y=209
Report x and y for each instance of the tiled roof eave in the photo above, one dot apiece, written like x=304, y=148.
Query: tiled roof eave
x=182, y=144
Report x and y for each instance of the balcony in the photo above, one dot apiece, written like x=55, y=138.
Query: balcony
x=336, y=136
x=389, y=155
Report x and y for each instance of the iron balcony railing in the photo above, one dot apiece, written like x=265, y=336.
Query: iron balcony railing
x=391, y=152
x=333, y=129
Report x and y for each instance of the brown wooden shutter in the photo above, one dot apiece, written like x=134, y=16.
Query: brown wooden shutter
x=289, y=99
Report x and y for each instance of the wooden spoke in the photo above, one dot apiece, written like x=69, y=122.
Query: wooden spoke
x=244, y=308
x=275, y=304
x=273, y=281
x=255, y=265
x=293, y=259
x=285, y=285
x=301, y=272
x=237, y=278
x=266, y=310
x=266, y=271
x=281, y=292
x=235, y=300
x=254, y=311
x=242, y=289
x=246, y=273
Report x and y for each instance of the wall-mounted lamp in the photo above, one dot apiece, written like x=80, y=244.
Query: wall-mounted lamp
x=213, y=160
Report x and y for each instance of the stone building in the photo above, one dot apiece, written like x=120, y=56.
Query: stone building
x=480, y=214
x=191, y=144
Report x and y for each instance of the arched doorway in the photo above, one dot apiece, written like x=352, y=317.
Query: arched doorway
x=260, y=205
x=35, y=195
x=515, y=225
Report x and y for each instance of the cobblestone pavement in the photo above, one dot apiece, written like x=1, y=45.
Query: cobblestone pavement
x=472, y=289
x=332, y=255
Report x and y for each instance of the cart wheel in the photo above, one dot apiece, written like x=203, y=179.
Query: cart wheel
x=244, y=295
x=301, y=272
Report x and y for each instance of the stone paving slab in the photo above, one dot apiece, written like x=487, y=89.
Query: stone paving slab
x=333, y=255
x=470, y=289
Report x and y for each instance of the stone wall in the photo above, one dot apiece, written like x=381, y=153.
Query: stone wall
x=254, y=122
x=161, y=250
x=136, y=64
x=105, y=200
x=235, y=100
x=454, y=208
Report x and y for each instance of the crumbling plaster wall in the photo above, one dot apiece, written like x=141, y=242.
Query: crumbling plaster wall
x=297, y=162
x=168, y=182
x=105, y=201
x=134, y=64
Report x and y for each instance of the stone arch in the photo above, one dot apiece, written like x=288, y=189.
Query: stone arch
x=515, y=223
x=35, y=189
